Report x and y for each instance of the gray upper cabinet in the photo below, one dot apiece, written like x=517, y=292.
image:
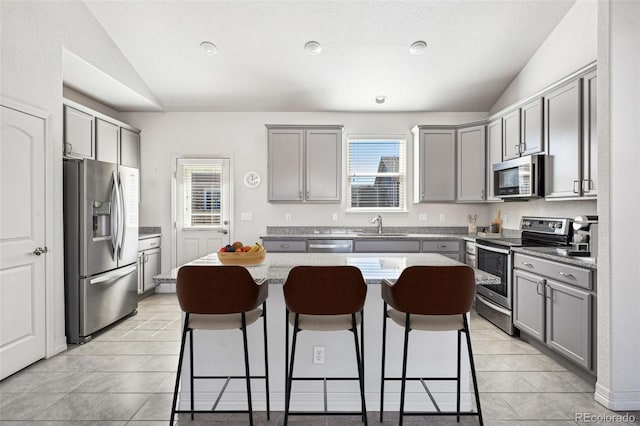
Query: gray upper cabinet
x=129, y=148
x=589, y=135
x=562, y=138
x=494, y=154
x=471, y=164
x=435, y=159
x=522, y=130
x=531, y=122
x=107, y=141
x=305, y=163
x=511, y=135
x=78, y=134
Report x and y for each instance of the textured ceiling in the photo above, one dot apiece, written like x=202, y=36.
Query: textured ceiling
x=475, y=49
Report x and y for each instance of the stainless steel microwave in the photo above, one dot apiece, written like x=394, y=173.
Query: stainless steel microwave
x=519, y=178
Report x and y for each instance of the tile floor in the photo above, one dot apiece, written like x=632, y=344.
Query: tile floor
x=125, y=376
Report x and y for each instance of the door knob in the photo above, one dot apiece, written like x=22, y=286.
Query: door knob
x=39, y=250
x=223, y=231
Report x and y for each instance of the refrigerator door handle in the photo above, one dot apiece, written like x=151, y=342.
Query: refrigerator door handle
x=122, y=217
x=114, y=275
x=114, y=217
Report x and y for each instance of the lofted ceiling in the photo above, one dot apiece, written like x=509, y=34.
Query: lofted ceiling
x=475, y=49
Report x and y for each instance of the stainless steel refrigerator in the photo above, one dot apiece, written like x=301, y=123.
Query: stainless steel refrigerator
x=101, y=245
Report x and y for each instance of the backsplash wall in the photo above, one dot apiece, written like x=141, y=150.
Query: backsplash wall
x=539, y=207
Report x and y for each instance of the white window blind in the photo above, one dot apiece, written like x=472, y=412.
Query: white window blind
x=377, y=174
x=202, y=195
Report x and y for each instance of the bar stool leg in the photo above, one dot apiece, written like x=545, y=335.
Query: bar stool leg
x=191, y=370
x=384, y=345
x=290, y=371
x=180, y=358
x=266, y=358
x=404, y=367
x=473, y=369
x=246, y=367
x=360, y=367
x=362, y=351
x=458, y=380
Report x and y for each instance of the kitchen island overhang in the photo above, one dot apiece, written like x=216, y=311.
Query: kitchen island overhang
x=430, y=353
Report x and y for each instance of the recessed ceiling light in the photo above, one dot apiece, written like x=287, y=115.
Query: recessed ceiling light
x=313, y=47
x=418, y=48
x=208, y=48
x=381, y=99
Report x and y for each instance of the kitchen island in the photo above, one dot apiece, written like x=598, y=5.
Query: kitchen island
x=430, y=353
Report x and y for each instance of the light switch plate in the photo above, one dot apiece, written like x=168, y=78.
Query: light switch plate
x=334, y=217
x=423, y=217
x=287, y=217
x=442, y=217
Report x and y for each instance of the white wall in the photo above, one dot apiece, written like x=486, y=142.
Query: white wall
x=570, y=46
x=618, y=384
x=243, y=137
x=33, y=35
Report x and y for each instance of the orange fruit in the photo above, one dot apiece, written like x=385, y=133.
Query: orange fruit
x=246, y=248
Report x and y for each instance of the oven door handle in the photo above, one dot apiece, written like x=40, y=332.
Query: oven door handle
x=493, y=249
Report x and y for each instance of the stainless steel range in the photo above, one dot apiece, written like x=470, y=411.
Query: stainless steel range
x=494, y=301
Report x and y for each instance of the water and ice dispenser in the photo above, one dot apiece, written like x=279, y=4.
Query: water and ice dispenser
x=101, y=220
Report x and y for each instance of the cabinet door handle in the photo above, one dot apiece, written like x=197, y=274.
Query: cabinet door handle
x=442, y=246
x=284, y=245
x=586, y=185
x=576, y=186
x=540, y=287
x=523, y=147
x=517, y=149
x=549, y=291
x=307, y=194
x=70, y=147
x=564, y=274
x=300, y=194
x=530, y=265
x=482, y=194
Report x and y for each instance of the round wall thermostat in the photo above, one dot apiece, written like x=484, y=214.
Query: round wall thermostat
x=252, y=179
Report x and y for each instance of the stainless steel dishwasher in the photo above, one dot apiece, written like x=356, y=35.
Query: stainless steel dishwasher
x=330, y=246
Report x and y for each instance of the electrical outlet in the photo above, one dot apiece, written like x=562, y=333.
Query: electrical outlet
x=334, y=217
x=287, y=217
x=318, y=354
x=442, y=217
x=422, y=217
x=246, y=216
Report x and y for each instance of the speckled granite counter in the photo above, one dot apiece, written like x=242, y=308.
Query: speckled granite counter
x=555, y=254
x=149, y=232
x=374, y=267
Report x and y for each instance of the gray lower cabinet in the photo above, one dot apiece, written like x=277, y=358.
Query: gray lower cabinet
x=285, y=246
x=448, y=248
x=148, y=263
x=471, y=164
x=305, y=163
x=553, y=303
x=434, y=164
x=386, y=246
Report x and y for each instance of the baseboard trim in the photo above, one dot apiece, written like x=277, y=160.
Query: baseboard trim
x=617, y=401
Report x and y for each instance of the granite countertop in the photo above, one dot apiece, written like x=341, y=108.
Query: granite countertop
x=374, y=267
x=552, y=253
x=362, y=236
x=149, y=232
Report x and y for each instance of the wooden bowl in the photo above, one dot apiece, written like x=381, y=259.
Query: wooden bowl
x=241, y=258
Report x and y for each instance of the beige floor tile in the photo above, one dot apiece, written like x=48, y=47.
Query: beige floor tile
x=503, y=381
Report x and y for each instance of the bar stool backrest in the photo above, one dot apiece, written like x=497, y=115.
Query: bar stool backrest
x=432, y=290
x=325, y=290
x=218, y=290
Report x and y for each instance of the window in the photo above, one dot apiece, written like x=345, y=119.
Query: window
x=377, y=174
x=203, y=193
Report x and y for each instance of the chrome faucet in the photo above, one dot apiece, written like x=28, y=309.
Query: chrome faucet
x=379, y=220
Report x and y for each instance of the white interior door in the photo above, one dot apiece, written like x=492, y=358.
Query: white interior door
x=203, y=203
x=22, y=232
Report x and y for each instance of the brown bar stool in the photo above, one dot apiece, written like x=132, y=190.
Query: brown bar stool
x=324, y=298
x=220, y=298
x=431, y=298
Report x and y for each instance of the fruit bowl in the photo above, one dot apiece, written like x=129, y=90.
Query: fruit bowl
x=242, y=258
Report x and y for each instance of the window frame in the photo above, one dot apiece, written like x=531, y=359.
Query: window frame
x=402, y=173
